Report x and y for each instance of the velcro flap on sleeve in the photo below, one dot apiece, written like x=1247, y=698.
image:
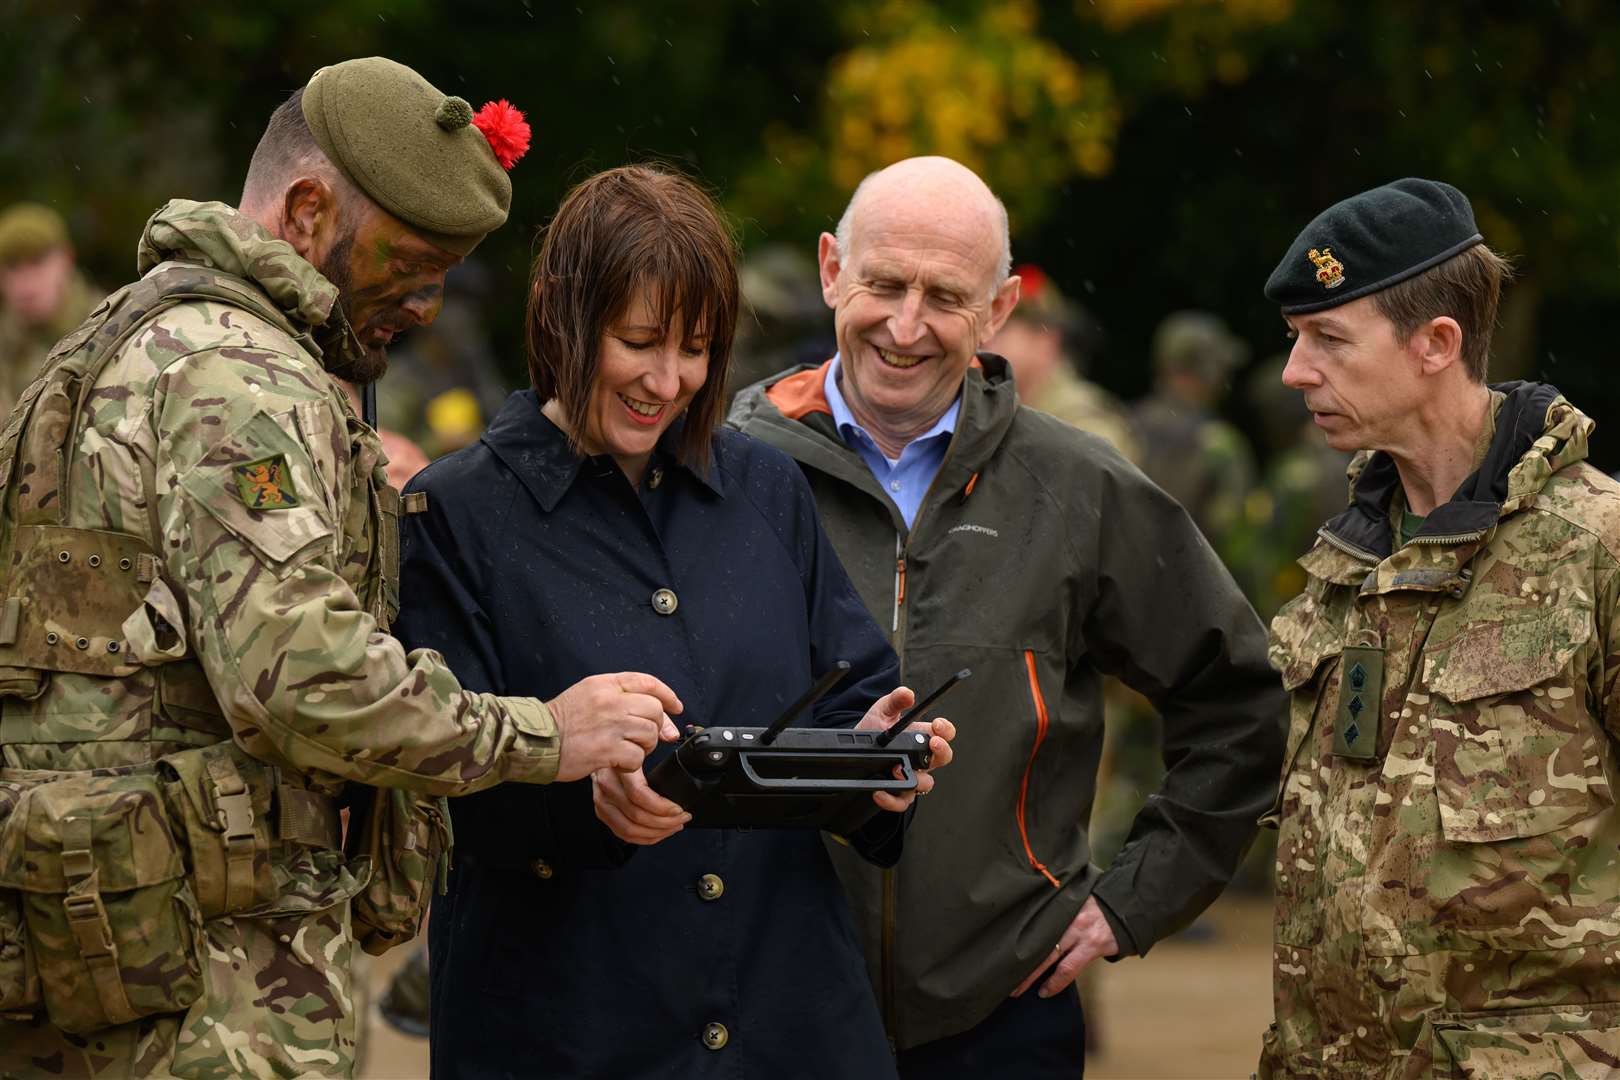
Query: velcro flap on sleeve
x=259, y=482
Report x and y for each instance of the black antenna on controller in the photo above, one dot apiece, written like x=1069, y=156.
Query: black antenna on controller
x=823, y=684
x=899, y=725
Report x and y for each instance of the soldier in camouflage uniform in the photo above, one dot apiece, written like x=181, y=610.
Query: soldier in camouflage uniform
x=199, y=553
x=1447, y=881
x=42, y=294
x=1188, y=450
x=1049, y=341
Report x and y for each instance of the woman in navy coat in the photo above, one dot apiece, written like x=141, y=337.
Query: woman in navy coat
x=602, y=524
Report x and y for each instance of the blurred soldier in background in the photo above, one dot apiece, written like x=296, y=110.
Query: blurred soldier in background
x=42, y=294
x=444, y=381
x=1302, y=486
x=1202, y=461
x=1207, y=465
x=784, y=321
x=1049, y=340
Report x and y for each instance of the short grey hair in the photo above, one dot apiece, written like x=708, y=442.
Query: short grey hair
x=846, y=228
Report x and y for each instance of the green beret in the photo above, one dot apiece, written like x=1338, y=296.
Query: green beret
x=1371, y=241
x=412, y=149
x=29, y=230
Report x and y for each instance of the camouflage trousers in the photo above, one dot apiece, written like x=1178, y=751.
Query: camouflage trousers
x=277, y=1002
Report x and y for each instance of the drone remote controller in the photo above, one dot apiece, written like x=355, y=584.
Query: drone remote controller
x=793, y=777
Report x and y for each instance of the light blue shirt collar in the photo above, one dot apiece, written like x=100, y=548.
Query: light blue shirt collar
x=905, y=479
x=848, y=425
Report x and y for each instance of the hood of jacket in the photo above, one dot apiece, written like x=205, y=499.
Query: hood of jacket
x=219, y=236
x=1537, y=433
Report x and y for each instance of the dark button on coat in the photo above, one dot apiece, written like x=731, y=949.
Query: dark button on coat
x=531, y=569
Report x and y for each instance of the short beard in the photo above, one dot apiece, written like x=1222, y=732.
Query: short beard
x=356, y=363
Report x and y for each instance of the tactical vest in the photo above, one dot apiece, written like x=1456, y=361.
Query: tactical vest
x=106, y=874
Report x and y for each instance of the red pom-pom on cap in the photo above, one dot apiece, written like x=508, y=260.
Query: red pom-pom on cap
x=1032, y=279
x=506, y=130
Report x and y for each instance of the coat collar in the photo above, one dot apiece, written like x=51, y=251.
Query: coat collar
x=1537, y=433
x=537, y=452
x=1478, y=503
x=791, y=412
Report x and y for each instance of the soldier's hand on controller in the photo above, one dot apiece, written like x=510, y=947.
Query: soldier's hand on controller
x=940, y=731
x=634, y=811
x=612, y=721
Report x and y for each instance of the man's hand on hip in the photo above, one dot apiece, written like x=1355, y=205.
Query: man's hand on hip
x=611, y=721
x=1087, y=937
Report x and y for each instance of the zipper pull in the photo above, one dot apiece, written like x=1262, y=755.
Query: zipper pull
x=899, y=582
x=972, y=482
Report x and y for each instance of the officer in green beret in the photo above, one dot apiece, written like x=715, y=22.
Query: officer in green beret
x=199, y=558
x=42, y=293
x=1447, y=887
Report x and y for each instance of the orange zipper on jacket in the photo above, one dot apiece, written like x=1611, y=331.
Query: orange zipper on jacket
x=1023, y=788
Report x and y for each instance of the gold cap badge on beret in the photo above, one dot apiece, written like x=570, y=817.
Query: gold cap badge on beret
x=1329, y=271
x=418, y=153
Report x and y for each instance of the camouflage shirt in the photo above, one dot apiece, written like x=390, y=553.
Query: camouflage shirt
x=1448, y=892
x=219, y=438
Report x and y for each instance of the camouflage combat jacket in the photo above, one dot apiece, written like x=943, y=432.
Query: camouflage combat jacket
x=1447, y=879
x=215, y=465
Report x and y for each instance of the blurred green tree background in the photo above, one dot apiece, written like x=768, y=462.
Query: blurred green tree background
x=1153, y=154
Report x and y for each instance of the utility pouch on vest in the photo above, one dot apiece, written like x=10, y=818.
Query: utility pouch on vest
x=407, y=837
x=19, y=973
x=110, y=920
x=220, y=802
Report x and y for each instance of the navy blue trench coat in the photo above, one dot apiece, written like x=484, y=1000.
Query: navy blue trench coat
x=558, y=950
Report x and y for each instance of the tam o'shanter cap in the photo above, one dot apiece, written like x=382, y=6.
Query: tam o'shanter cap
x=29, y=230
x=1371, y=241
x=414, y=150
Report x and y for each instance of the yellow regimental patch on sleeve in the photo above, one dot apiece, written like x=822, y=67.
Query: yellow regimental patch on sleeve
x=266, y=484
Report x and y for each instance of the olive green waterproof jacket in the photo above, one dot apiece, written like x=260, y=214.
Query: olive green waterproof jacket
x=1042, y=560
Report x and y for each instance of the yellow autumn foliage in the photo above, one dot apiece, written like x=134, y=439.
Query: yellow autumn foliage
x=990, y=93
x=1122, y=14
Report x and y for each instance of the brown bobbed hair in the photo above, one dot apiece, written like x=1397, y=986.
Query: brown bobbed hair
x=1466, y=287
x=632, y=228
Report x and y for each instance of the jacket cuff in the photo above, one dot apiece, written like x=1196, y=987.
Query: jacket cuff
x=881, y=840
x=536, y=744
x=1123, y=937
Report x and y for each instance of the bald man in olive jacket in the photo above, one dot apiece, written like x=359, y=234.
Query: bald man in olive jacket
x=986, y=535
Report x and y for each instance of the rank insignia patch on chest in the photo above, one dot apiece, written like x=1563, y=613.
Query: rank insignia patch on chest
x=265, y=484
x=1355, y=729
x=1329, y=271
